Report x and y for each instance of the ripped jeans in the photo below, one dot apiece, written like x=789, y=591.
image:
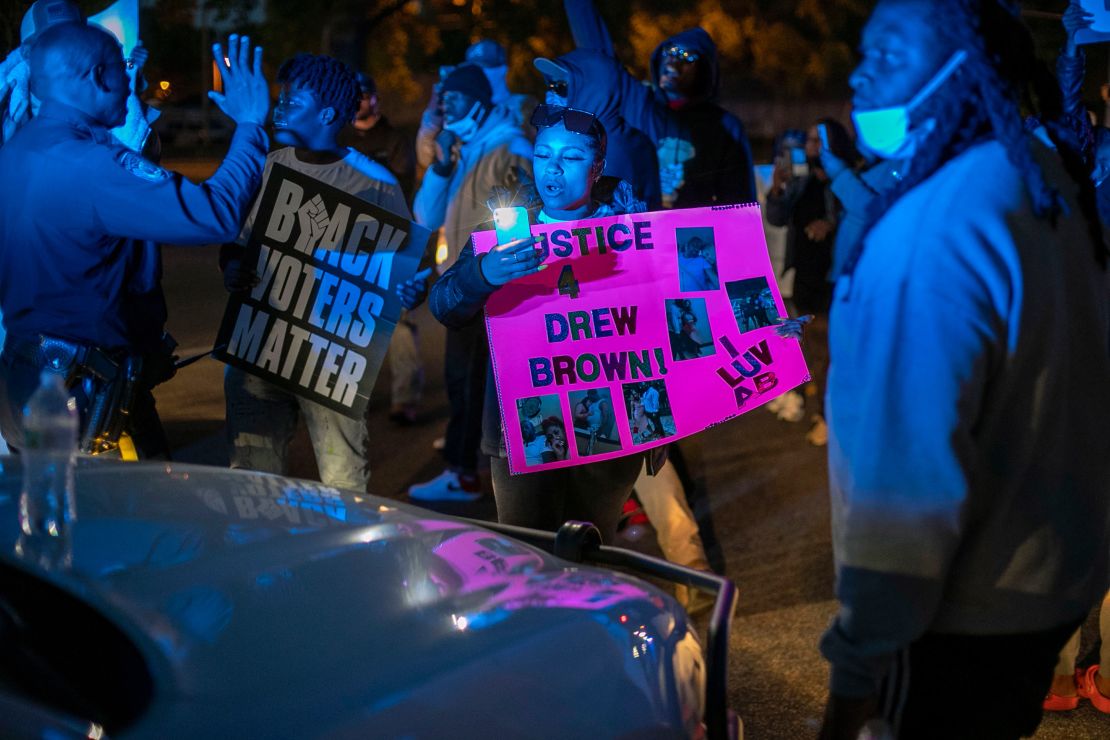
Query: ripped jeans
x=261, y=420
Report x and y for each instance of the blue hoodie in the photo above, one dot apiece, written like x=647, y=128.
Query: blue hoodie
x=630, y=154
x=700, y=146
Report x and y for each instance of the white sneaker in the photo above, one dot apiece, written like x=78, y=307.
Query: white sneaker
x=793, y=407
x=439, y=443
x=444, y=487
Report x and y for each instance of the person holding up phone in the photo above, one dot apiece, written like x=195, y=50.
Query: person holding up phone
x=480, y=148
x=807, y=207
x=568, y=161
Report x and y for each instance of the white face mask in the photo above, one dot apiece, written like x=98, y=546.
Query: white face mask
x=467, y=126
x=885, y=132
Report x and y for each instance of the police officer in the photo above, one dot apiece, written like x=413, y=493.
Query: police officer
x=75, y=206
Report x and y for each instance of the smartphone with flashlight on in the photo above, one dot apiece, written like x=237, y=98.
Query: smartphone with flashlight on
x=511, y=224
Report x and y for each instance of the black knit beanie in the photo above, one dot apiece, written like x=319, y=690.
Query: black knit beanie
x=469, y=79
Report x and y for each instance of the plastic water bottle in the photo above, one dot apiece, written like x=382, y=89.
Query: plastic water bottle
x=49, y=454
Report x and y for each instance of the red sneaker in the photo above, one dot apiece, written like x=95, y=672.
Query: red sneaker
x=1057, y=703
x=632, y=513
x=1088, y=689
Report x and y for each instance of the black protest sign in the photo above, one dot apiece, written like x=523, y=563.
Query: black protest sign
x=320, y=319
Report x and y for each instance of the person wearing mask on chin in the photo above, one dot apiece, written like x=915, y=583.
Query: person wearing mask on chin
x=704, y=159
x=80, y=209
x=319, y=96
x=968, y=455
x=490, y=57
x=478, y=150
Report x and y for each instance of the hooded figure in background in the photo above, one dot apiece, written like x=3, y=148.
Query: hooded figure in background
x=572, y=81
x=703, y=151
x=704, y=154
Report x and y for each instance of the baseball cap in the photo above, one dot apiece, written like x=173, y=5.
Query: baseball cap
x=551, y=69
x=486, y=53
x=44, y=14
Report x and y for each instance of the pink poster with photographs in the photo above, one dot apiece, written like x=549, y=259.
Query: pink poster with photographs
x=643, y=329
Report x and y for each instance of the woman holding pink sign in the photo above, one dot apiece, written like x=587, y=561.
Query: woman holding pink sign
x=568, y=161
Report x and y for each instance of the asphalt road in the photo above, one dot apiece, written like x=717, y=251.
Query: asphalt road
x=761, y=499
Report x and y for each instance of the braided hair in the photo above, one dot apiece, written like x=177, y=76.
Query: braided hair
x=330, y=80
x=981, y=101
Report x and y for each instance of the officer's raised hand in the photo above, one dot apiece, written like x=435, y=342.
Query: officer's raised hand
x=246, y=95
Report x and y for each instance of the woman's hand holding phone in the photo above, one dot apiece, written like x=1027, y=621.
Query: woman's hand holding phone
x=507, y=262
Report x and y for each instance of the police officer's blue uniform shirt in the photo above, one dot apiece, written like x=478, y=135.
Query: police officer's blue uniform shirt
x=75, y=207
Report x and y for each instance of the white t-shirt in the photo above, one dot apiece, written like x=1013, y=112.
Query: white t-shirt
x=356, y=174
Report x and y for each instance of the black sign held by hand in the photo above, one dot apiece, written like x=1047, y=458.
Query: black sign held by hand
x=319, y=321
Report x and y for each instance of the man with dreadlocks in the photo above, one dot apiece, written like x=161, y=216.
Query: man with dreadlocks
x=319, y=96
x=968, y=459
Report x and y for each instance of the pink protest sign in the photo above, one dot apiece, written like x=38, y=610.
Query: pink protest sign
x=643, y=329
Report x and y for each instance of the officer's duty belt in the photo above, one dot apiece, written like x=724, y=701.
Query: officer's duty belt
x=109, y=380
x=64, y=356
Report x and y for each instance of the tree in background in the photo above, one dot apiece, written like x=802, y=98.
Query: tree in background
x=770, y=49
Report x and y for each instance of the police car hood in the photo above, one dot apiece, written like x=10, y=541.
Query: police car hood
x=267, y=606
